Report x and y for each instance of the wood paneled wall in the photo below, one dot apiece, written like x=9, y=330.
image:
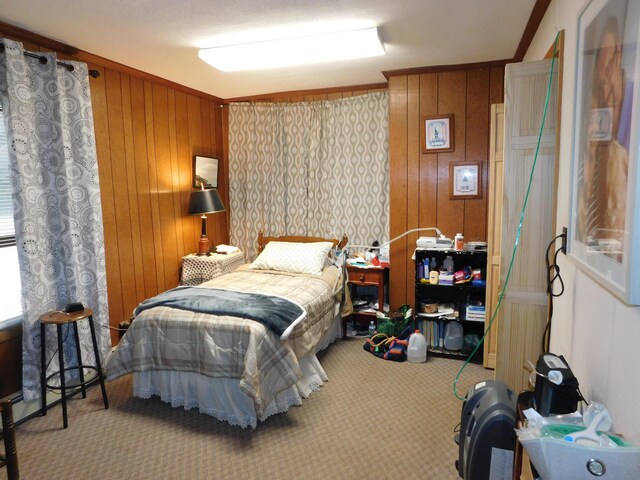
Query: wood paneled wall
x=148, y=130
x=147, y=135
x=419, y=182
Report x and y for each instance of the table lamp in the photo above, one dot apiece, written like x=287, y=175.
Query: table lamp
x=203, y=202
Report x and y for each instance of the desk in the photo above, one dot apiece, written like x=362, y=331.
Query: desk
x=377, y=277
x=200, y=268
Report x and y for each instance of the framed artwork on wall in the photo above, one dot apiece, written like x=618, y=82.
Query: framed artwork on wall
x=604, y=229
x=205, y=172
x=464, y=180
x=438, y=134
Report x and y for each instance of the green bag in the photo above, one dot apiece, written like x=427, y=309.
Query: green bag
x=386, y=326
x=395, y=322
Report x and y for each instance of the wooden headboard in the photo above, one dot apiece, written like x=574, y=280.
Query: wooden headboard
x=262, y=240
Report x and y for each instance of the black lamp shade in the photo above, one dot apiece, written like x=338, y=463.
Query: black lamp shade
x=205, y=201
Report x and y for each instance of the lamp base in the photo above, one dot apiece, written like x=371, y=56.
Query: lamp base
x=203, y=245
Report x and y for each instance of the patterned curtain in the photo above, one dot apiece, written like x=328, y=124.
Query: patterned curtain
x=309, y=168
x=56, y=200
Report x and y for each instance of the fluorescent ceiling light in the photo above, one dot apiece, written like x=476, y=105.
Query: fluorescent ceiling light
x=294, y=51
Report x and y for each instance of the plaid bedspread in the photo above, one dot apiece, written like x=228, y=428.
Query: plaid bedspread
x=163, y=338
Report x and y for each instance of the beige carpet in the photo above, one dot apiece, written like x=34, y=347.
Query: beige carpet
x=374, y=419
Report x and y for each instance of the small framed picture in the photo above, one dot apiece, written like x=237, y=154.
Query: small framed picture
x=438, y=134
x=205, y=172
x=464, y=180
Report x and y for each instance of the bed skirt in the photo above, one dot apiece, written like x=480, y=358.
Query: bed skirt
x=222, y=398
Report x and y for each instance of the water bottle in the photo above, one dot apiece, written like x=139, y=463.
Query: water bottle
x=448, y=264
x=372, y=328
x=433, y=265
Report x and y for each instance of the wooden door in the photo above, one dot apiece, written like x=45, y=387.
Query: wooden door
x=523, y=313
x=494, y=230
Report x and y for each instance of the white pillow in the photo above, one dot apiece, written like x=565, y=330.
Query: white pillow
x=293, y=257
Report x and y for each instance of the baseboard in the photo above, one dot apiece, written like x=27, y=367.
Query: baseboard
x=24, y=410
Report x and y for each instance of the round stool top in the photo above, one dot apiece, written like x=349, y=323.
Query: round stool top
x=58, y=317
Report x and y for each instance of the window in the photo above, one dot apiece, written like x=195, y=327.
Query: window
x=10, y=289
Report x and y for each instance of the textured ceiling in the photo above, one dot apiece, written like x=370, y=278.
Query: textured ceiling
x=162, y=37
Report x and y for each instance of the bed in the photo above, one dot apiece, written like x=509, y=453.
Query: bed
x=225, y=364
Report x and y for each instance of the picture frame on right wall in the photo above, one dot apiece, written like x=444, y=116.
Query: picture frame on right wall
x=438, y=134
x=604, y=230
x=464, y=180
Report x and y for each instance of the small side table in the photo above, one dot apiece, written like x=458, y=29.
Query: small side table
x=377, y=277
x=200, y=268
x=58, y=319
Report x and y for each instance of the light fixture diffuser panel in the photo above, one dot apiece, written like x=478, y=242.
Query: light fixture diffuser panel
x=295, y=51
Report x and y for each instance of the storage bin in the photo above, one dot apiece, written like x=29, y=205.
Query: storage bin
x=557, y=459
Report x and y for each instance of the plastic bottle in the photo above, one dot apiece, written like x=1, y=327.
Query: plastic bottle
x=459, y=241
x=592, y=411
x=417, y=349
x=433, y=265
x=453, y=336
x=372, y=328
x=448, y=264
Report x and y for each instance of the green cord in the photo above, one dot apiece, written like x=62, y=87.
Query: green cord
x=515, y=245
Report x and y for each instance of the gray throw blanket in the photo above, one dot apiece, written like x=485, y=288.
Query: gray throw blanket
x=278, y=314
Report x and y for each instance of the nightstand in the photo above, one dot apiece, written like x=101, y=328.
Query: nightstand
x=200, y=268
x=377, y=277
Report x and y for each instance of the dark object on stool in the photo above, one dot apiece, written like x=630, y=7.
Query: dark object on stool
x=73, y=307
x=58, y=319
x=10, y=457
x=487, y=426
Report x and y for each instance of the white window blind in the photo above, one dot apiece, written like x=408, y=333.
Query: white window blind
x=10, y=289
x=6, y=208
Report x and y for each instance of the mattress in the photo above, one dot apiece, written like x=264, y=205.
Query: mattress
x=230, y=367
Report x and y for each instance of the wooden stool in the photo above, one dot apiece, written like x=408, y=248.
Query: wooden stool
x=58, y=318
x=10, y=457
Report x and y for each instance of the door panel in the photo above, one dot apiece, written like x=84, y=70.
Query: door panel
x=523, y=314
